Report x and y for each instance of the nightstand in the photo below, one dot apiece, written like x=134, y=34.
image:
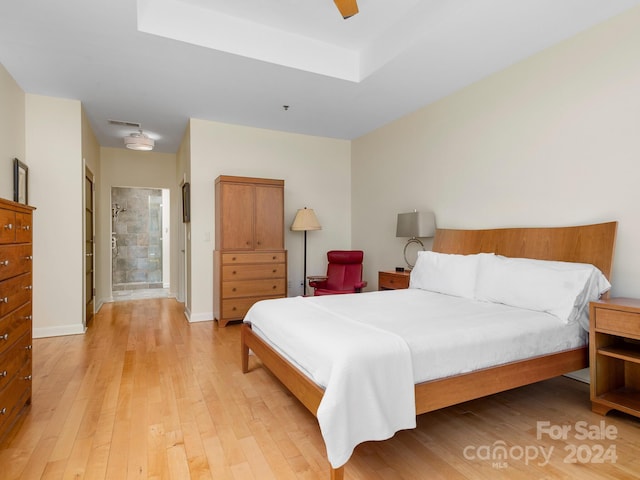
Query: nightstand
x=614, y=355
x=392, y=280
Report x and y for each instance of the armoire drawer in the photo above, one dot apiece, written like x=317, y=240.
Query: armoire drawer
x=14, y=360
x=14, y=292
x=253, y=272
x=237, y=308
x=14, y=325
x=252, y=288
x=14, y=260
x=262, y=257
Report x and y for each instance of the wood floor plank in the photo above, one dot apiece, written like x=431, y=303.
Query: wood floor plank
x=145, y=394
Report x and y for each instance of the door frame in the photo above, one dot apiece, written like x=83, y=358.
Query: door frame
x=89, y=305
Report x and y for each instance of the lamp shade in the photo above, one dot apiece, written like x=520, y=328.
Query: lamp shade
x=139, y=141
x=416, y=224
x=305, y=220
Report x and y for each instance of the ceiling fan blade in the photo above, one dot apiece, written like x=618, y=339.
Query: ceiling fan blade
x=348, y=8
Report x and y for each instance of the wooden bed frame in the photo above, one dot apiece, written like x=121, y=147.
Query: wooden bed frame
x=592, y=244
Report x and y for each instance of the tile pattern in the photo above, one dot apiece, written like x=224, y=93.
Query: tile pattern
x=137, y=237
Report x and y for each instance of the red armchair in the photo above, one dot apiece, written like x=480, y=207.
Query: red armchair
x=344, y=273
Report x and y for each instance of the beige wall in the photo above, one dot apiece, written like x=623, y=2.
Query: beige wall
x=316, y=172
x=553, y=140
x=120, y=167
x=54, y=157
x=12, y=135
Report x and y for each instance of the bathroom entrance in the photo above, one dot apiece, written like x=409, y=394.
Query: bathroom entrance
x=139, y=243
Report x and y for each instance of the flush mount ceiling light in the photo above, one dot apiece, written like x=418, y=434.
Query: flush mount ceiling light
x=139, y=141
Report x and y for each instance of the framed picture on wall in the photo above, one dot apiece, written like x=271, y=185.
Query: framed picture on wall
x=186, y=203
x=20, y=182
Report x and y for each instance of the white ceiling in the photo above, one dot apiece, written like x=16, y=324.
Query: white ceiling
x=160, y=62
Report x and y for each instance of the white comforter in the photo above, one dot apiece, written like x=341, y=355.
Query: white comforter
x=368, y=350
x=366, y=372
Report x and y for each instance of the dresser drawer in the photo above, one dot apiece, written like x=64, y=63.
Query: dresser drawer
x=14, y=360
x=14, y=325
x=262, y=257
x=23, y=227
x=14, y=260
x=254, y=288
x=7, y=226
x=619, y=323
x=253, y=272
x=237, y=308
x=14, y=396
x=14, y=292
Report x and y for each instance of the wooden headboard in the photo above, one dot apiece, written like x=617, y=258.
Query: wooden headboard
x=592, y=244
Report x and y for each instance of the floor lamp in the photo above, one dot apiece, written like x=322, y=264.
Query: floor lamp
x=304, y=221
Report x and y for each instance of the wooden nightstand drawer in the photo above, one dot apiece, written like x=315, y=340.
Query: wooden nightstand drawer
x=614, y=355
x=393, y=280
x=619, y=323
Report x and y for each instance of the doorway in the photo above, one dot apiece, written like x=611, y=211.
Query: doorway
x=139, y=243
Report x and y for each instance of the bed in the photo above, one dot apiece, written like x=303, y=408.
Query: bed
x=590, y=244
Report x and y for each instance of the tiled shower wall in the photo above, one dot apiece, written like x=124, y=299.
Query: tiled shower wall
x=136, y=216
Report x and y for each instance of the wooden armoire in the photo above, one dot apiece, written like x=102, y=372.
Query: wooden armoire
x=16, y=267
x=249, y=262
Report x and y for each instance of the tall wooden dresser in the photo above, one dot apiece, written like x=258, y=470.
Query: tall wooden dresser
x=15, y=311
x=250, y=262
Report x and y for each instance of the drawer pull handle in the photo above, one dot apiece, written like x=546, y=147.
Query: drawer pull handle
x=233, y=259
x=4, y=337
x=4, y=263
x=234, y=272
x=233, y=289
x=26, y=227
x=3, y=411
x=3, y=373
x=273, y=258
x=4, y=300
x=8, y=226
x=29, y=257
x=28, y=377
x=28, y=347
x=274, y=271
x=234, y=309
x=28, y=317
x=274, y=287
x=28, y=287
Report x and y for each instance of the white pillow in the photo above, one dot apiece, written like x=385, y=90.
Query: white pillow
x=563, y=289
x=451, y=274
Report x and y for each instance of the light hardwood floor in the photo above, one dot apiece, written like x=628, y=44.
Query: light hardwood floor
x=145, y=395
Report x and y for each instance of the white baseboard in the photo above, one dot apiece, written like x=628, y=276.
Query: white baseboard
x=198, y=317
x=61, y=331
